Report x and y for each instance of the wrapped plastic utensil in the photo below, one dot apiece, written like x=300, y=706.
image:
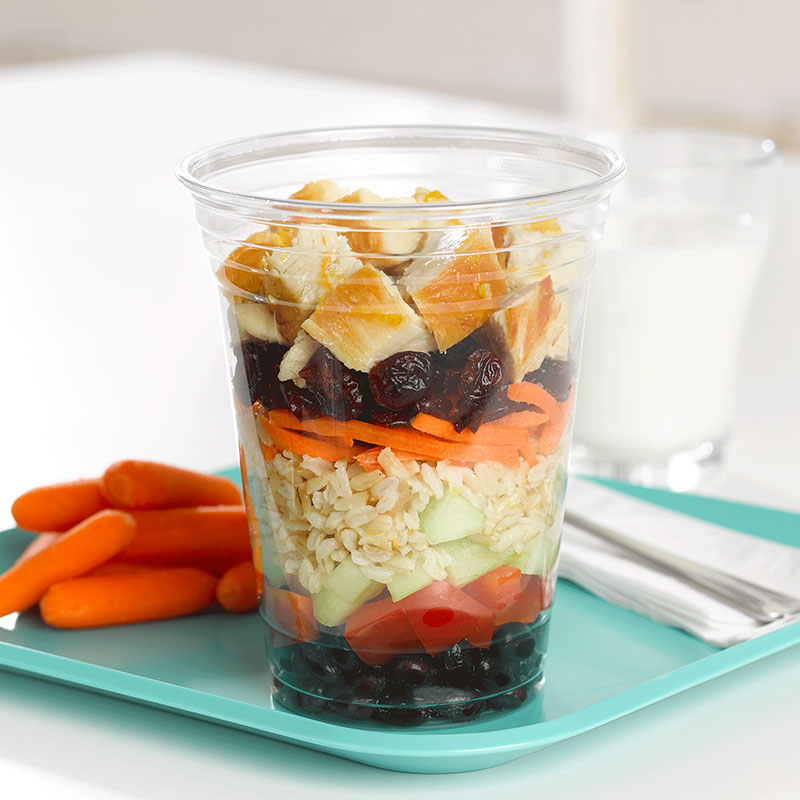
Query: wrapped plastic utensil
x=615, y=573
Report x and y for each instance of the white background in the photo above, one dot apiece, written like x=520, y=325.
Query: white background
x=111, y=348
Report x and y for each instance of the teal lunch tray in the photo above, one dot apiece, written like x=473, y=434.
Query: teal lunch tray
x=603, y=662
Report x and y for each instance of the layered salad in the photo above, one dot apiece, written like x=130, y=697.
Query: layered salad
x=403, y=401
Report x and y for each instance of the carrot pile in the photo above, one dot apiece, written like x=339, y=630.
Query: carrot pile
x=523, y=434
x=144, y=542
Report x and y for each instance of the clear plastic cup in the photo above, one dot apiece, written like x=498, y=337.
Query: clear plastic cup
x=404, y=376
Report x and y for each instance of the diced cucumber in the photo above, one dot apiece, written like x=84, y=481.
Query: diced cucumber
x=530, y=561
x=349, y=583
x=538, y=557
x=449, y=518
x=471, y=559
x=553, y=547
x=403, y=585
x=343, y=591
x=330, y=609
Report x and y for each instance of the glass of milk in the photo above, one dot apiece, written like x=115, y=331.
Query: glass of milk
x=683, y=246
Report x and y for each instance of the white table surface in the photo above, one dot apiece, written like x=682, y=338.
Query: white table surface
x=111, y=348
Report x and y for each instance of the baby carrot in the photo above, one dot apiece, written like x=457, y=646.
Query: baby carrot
x=101, y=600
x=147, y=485
x=88, y=545
x=216, y=566
x=237, y=589
x=58, y=507
x=37, y=545
x=176, y=536
x=533, y=394
x=119, y=568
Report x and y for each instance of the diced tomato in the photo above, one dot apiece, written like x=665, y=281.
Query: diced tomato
x=527, y=607
x=498, y=589
x=293, y=582
x=378, y=631
x=548, y=590
x=292, y=614
x=442, y=615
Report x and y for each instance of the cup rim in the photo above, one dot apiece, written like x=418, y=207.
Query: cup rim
x=195, y=169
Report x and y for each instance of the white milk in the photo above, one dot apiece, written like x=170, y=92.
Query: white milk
x=666, y=306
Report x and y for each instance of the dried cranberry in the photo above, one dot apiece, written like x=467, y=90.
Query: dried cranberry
x=336, y=388
x=299, y=401
x=481, y=376
x=499, y=405
x=402, y=379
x=554, y=377
x=390, y=418
x=455, y=357
x=437, y=405
x=441, y=399
x=256, y=374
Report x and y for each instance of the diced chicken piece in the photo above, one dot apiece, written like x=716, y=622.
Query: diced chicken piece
x=390, y=240
x=296, y=357
x=458, y=285
x=365, y=320
x=246, y=266
x=423, y=195
x=559, y=350
x=258, y=320
x=320, y=192
x=299, y=277
x=529, y=330
x=535, y=250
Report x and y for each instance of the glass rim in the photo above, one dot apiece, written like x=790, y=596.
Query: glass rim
x=195, y=169
x=763, y=150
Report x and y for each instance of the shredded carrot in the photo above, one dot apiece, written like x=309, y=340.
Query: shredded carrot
x=323, y=426
x=268, y=451
x=497, y=435
x=147, y=485
x=368, y=458
x=58, y=507
x=553, y=430
x=102, y=600
x=414, y=441
x=37, y=545
x=85, y=547
x=469, y=448
x=305, y=445
x=520, y=419
x=237, y=589
x=528, y=452
x=533, y=394
x=176, y=536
